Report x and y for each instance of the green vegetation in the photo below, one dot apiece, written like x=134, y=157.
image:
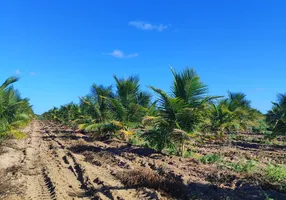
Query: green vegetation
x=276, y=173
x=210, y=158
x=173, y=119
x=277, y=116
x=243, y=167
x=15, y=112
x=189, y=154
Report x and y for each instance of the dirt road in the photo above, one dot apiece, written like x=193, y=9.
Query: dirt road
x=55, y=164
x=51, y=171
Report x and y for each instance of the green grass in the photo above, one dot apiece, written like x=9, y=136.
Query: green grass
x=243, y=167
x=188, y=154
x=210, y=158
x=276, y=173
x=172, y=151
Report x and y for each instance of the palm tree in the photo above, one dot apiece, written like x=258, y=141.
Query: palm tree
x=94, y=107
x=237, y=100
x=244, y=117
x=130, y=103
x=15, y=112
x=277, y=116
x=180, y=113
x=233, y=113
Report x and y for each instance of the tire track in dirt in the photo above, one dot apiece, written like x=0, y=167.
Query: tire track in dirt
x=48, y=177
x=91, y=179
x=37, y=186
x=99, y=182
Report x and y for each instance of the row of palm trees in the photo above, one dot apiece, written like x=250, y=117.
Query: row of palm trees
x=15, y=112
x=172, y=118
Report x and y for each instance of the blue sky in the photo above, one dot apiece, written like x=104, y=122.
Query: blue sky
x=59, y=48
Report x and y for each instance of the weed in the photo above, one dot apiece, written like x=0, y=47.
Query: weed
x=276, y=173
x=189, y=154
x=243, y=167
x=172, y=151
x=210, y=158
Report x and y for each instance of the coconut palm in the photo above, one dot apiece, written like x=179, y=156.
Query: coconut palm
x=237, y=100
x=181, y=112
x=243, y=116
x=277, y=116
x=130, y=103
x=15, y=112
x=100, y=94
x=232, y=114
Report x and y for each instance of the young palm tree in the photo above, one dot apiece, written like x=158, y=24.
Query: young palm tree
x=277, y=116
x=15, y=112
x=130, y=104
x=180, y=113
x=100, y=94
x=244, y=117
x=233, y=113
x=237, y=100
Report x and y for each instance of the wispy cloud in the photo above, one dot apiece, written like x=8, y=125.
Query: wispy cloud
x=17, y=72
x=120, y=54
x=32, y=73
x=148, y=26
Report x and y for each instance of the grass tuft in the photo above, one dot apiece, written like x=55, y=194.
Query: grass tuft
x=276, y=173
x=210, y=158
x=243, y=167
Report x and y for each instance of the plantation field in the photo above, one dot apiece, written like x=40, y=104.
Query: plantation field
x=54, y=162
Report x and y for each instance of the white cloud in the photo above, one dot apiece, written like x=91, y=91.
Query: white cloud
x=117, y=54
x=120, y=54
x=148, y=26
x=17, y=72
x=32, y=73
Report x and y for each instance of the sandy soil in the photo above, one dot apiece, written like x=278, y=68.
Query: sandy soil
x=54, y=163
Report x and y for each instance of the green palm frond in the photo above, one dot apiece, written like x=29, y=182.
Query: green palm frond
x=8, y=82
x=15, y=112
x=277, y=116
x=117, y=109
